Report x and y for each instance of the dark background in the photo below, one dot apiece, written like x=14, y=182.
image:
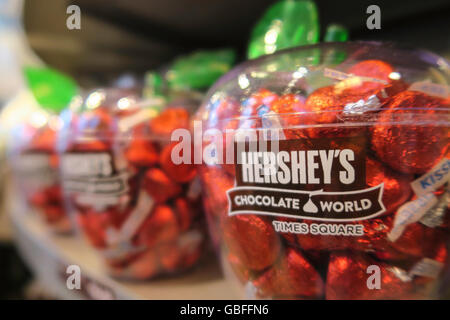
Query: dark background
x=137, y=35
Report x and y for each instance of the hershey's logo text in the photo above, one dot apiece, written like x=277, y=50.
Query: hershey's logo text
x=311, y=167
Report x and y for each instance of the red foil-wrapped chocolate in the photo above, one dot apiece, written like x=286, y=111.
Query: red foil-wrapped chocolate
x=363, y=92
x=242, y=273
x=396, y=186
x=376, y=69
x=179, y=172
x=411, y=148
x=161, y=226
x=354, y=276
x=372, y=234
x=168, y=121
x=141, y=152
x=159, y=186
x=288, y=103
x=253, y=240
x=217, y=182
x=291, y=276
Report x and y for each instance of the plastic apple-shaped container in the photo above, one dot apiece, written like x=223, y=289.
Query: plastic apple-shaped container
x=134, y=205
x=330, y=176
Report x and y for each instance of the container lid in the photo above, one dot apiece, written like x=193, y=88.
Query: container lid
x=329, y=84
x=109, y=115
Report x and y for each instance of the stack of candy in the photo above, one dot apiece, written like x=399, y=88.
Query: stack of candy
x=131, y=201
x=355, y=202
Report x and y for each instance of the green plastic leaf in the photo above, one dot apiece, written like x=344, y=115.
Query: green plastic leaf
x=336, y=33
x=51, y=89
x=153, y=84
x=286, y=24
x=200, y=69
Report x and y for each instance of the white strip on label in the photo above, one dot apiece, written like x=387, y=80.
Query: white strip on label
x=120, y=250
x=99, y=202
x=339, y=75
x=433, y=179
x=127, y=123
x=411, y=212
x=427, y=268
x=400, y=274
x=134, y=221
x=435, y=217
x=432, y=89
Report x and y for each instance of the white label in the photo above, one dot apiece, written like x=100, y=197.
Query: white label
x=114, y=185
x=36, y=170
x=134, y=221
x=432, y=180
x=435, y=216
x=411, y=212
x=129, y=122
x=427, y=268
x=31, y=162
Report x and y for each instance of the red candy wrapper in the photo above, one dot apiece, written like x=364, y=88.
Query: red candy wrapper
x=291, y=276
x=341, y=171
x=411, y=148
x=349, y=278
x=396, y=186
x=133, y=203
x=253, y=240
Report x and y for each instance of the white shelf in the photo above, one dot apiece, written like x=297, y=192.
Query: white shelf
x=49, y=255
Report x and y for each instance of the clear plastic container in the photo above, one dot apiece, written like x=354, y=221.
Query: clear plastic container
x=330, y=176
x=34, y=161
x=138, y=209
